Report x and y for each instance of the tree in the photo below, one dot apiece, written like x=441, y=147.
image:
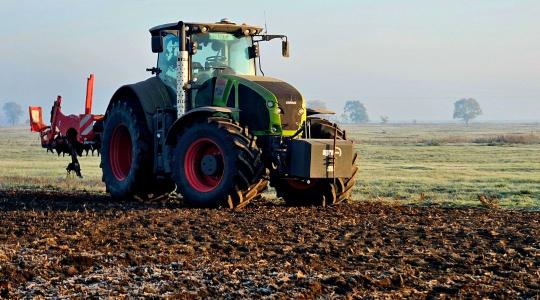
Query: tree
x=467, y=109
x=13, y=112
x=355, y=112
x=316, y=104
x=384, y=119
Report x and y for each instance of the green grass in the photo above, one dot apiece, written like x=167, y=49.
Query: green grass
x=24, y=164
x=448, y=164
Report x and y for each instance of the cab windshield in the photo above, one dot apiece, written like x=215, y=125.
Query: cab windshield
x=219, y=52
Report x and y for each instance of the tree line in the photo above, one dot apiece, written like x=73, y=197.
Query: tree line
x=355, y=112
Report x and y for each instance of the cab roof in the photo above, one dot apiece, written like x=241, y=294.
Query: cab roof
x=223, y=26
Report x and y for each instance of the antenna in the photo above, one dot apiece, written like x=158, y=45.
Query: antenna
x=265, y=32
x=265, y=27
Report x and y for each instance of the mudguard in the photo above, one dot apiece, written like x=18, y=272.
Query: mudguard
x=151, y=94
x=319, y=111
x=194, y=114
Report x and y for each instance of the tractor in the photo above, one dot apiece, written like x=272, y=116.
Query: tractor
x=209, y=125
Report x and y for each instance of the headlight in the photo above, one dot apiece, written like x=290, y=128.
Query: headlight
x=270, y=104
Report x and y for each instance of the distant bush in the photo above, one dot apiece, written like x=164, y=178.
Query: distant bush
x=432, y=142
x=505, y=139
x=509, y=139
x=455, y=139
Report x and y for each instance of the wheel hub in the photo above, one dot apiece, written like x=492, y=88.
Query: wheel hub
x=204, y=165
x=209, y=165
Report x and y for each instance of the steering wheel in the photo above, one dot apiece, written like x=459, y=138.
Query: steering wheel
x=219, y=64
x=216, y=58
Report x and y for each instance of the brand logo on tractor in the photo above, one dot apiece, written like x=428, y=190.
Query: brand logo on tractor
x=220, y=88
x=290, y=102
x=329, y=153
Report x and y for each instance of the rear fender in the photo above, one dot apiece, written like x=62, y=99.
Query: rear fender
x=150, y=95
x=319, y=111
x=199, y=113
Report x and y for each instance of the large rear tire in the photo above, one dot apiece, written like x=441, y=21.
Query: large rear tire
x=217, y=163
x=126, y=153
x=320, y=192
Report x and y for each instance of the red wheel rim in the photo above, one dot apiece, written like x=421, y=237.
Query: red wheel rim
x=192, y=165
x=300, y=185
x=120, y=152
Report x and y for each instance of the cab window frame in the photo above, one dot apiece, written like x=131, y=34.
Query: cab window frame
x=162, y=73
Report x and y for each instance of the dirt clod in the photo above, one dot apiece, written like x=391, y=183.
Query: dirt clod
x=71, y=271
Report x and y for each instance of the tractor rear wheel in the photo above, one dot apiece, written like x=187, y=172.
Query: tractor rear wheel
x=126, y=153
x=217, y=162
x=322, y=192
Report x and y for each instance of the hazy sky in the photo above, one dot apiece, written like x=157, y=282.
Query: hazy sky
x=405, y=59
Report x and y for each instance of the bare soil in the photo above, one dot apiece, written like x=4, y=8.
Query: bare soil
x=85, y=245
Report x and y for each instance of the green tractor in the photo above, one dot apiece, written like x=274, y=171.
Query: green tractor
x=210, y=127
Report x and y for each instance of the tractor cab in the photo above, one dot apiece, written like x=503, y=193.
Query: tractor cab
x=213, y=50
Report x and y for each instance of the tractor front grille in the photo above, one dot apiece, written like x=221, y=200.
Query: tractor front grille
x=253, y=111
x=289, y=101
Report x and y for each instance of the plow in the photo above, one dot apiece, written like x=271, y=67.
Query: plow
x=209, y=125
x=69, y=134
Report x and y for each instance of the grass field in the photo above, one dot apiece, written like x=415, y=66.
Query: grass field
x=448, y=164
x=24, y=164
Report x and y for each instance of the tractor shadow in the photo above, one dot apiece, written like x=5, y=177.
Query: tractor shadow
x=53, y=200
x=50, y=200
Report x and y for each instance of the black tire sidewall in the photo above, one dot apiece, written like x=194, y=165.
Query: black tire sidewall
x=323, y=129
x=222, y=139
x=133, y=183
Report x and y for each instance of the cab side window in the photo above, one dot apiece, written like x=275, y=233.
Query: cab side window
x=167, y=61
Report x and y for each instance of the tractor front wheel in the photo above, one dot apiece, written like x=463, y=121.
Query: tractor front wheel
x=216, y=162
x=320, y=192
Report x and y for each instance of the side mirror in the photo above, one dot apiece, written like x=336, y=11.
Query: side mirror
x=285, y=48
x=157, y=44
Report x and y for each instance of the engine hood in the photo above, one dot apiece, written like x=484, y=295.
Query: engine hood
x=290, y=101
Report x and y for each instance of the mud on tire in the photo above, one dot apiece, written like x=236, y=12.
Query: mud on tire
x=126, y=153
x=321, y=192
x=216, y=162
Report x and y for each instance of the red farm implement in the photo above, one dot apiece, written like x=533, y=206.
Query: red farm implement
x=71, y=134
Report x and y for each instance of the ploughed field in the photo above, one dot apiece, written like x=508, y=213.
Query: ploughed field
x=56, y=243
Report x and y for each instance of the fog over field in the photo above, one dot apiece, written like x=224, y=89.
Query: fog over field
x=407, y=60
